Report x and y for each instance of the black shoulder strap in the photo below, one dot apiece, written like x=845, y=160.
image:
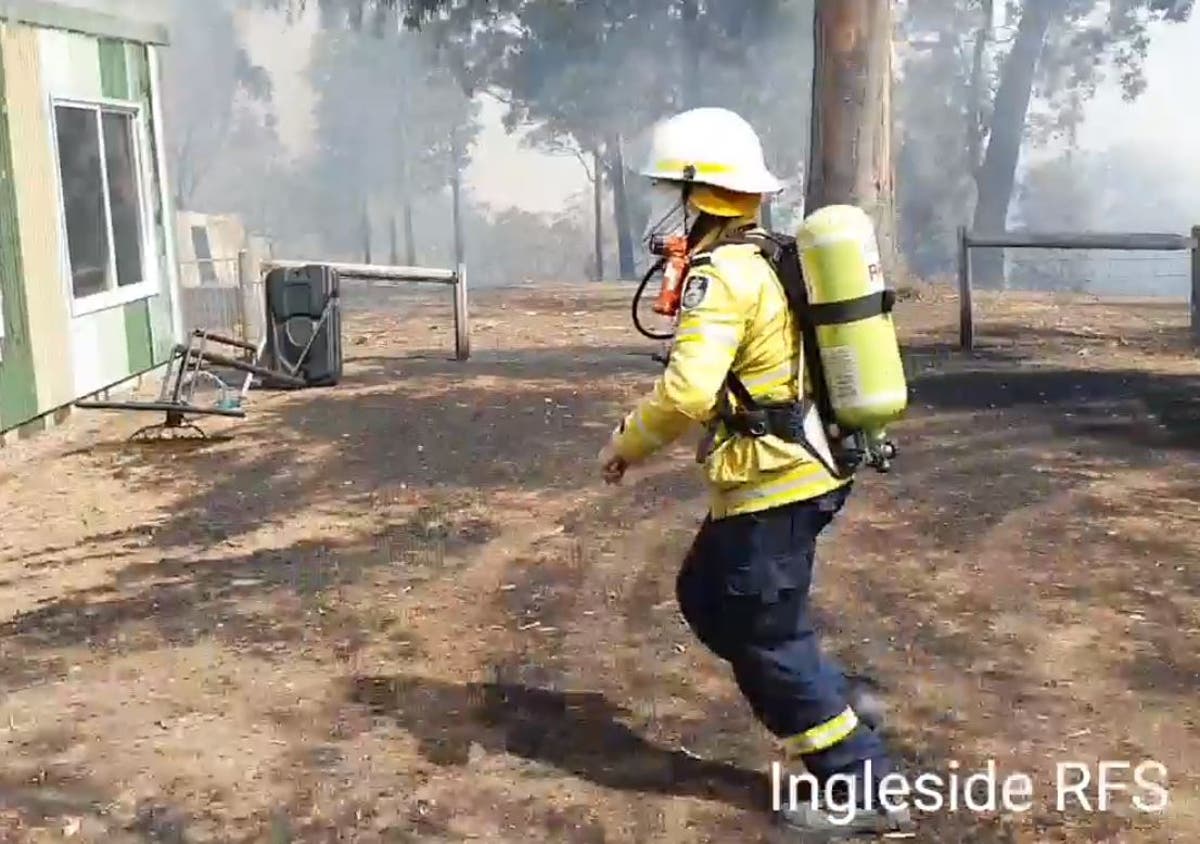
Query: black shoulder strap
x=738, y=238
x=771, y=246
x=735, y=386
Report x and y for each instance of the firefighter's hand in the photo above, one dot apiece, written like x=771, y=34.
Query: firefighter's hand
x=614, y=470
x=612, y=465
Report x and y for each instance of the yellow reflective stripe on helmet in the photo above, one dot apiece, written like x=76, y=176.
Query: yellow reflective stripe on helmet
x=823, y=736
x=702, y=168
x=726, y=335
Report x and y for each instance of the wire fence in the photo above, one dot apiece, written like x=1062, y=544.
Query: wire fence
x=227, y=295
x=1101, y=272
x=224, y=295
x=1142, y=265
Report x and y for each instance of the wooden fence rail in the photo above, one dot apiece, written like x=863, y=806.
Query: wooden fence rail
x=456, y=279
x=1118, y=241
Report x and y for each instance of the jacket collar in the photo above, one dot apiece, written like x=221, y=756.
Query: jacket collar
x=734, y=225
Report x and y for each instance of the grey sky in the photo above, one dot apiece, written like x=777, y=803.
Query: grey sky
x=1161, y=121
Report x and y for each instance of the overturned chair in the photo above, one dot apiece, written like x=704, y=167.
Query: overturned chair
x=191, y=365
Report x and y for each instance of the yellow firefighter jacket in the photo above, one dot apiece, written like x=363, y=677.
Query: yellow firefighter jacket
x=734, y=317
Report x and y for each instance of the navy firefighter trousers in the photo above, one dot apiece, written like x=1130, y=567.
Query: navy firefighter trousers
x=744, y=590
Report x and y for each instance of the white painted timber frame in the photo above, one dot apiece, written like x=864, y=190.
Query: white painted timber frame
x=165, y=200
x=151, y=282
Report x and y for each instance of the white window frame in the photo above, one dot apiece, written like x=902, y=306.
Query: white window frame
x=150, y=284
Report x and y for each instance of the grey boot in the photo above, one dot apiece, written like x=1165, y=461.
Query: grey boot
x=805, y=825
x=867, y=704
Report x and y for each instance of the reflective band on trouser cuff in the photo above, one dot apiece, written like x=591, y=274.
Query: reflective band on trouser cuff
x=823, y=736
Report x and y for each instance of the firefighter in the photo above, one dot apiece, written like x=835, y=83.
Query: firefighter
x=744, y=585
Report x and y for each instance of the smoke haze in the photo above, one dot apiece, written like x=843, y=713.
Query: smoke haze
x=351, y=134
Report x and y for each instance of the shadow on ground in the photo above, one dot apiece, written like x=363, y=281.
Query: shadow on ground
x=1134, y=407
x=396, y=427
x=579, y=733
x=991, y=436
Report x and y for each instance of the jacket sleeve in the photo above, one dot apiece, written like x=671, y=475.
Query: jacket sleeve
x=711, y=325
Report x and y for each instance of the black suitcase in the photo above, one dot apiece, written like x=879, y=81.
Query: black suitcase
x=304, y=323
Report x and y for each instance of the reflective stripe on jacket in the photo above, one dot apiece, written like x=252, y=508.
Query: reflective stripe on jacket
x=735, y=317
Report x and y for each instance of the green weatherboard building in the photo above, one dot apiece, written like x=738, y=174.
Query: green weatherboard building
x=87, y=258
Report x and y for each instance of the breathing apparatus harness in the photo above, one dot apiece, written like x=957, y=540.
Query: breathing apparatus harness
x=785, y=420
x=674, y=260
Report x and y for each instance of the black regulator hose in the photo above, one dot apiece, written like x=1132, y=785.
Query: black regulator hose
x=659, y=265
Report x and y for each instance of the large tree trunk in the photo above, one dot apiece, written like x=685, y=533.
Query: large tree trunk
x=598, y=212
x=410, y=236
x=997, y=175
x=616, y=175
x=394, y=251
x=851, y=151
x=978, y=91
x=456, y=167
x=689, y=86
x=404, y=154
x=366, y=230
x=765, y=217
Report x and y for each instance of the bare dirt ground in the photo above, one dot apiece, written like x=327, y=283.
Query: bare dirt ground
x=405, y=609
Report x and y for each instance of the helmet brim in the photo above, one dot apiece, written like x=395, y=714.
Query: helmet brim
x=762, y=182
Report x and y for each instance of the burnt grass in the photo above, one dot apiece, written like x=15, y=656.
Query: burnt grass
x=405, y=608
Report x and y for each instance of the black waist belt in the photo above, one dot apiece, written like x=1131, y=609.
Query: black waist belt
x=785, y=421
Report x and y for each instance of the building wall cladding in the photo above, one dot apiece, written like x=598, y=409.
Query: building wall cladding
x=37, y=208
x=53, y=353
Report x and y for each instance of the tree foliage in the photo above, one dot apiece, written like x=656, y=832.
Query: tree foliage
x=235, y=98
x=980, y=80
x=589, y=75
x=391, y=124
x=1051, y=54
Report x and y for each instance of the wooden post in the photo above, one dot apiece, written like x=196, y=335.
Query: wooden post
x=1196, y=285
x=966, y=317
x=462, y=331
x=850, y=153
x=456, y=167
x=247, y=288
x=598, y=211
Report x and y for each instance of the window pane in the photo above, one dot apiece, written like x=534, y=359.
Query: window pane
x=83, y=199
x=208, y=274
x=123, y=189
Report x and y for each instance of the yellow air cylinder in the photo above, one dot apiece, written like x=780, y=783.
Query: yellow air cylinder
x=860, y=355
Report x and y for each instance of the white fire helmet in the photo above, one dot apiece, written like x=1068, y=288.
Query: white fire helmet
x=709, y=146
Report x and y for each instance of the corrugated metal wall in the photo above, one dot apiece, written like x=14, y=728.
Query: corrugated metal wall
x=105, y=346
